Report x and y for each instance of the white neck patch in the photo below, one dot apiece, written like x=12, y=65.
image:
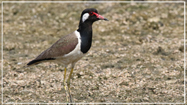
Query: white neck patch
x=85, y=17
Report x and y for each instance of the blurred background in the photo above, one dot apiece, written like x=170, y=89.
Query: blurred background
x=136, y=57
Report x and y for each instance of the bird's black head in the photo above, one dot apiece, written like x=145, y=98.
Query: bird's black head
x=88, y=16
x=91, y=15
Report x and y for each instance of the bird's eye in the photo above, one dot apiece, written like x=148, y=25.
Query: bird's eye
x=91, y=13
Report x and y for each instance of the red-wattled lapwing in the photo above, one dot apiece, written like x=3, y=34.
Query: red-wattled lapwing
x=72, y=47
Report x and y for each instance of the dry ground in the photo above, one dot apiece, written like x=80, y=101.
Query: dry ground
x=136, y=57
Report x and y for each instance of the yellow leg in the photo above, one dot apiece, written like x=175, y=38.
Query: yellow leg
x=64, y=78
x=68, y=83
x=64, y=83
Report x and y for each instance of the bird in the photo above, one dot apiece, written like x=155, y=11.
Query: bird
x=72, y=47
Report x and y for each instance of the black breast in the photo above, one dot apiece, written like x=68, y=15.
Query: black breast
x=86, y=40
x=85, y=30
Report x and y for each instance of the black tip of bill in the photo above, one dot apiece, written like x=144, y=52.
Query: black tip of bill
x=106, y=19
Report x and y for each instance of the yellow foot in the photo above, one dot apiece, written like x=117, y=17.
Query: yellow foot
x=70, y=96
x=69, y=91
x=67, y=98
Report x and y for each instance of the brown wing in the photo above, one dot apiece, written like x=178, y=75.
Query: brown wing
x=63, y=46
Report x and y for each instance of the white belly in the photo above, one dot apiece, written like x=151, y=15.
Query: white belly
x=71, y=58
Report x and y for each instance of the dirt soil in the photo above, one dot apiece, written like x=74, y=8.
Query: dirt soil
x=136, y=57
